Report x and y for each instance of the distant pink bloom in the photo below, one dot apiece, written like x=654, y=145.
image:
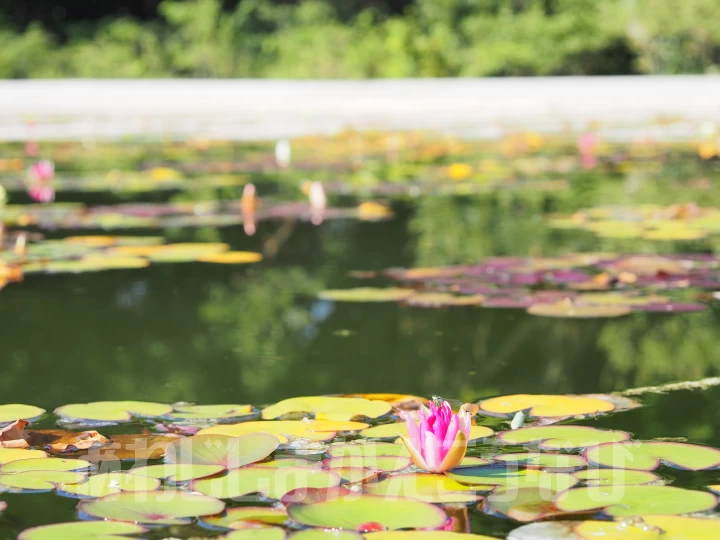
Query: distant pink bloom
x=42, y=171
x=32, y=148
x=318, y=202
x=587, y=143
x=439, y=442
x=42, y=193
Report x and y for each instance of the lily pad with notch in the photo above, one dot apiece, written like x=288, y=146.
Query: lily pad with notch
x=648, y=456
x=328, y=408
x=565, y=437
x=432, y=488
x=107, y=483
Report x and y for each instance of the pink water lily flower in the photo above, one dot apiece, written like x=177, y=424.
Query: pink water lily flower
x=42, y=171
x=439, y=442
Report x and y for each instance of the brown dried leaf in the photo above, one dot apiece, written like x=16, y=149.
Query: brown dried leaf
x=14, y=435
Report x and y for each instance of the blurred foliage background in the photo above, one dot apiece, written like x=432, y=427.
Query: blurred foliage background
x=357, y=38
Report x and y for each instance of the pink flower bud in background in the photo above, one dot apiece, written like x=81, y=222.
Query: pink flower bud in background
x=42, y=171
x=41, y=193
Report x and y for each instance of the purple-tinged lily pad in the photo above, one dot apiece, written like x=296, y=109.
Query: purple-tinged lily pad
x=672, y=307
x=228, y=452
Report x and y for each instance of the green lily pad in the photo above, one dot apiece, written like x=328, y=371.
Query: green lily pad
x=94, y=263
x=424, y=535
x=10, y=413
x=538, y=460
x=91, y=530
x=432, y=488
x=328, y=408
x=367, y=449
x=152, y=507
x=352, y=511
x=366, y=294
x=270, y=482
x=210, y=412
x=381, y=463
x=288, y=462
x=284, y=430
x=186, y=252
x=620, y=501
x=107, y=483
x=473, y=461
x=562, y=437
x=648, y=456
x=256, y=533
x=39, y=480
x=524, y=504
x=229, y=452
x=235, y=518
x=45, y=464
x=112, y=411
x=511, y=477
x=617, y=477
x=570, y=310
x=352, y=475
x=16, y=454
x=393, y=431
x=320, y=534
x=176, y=473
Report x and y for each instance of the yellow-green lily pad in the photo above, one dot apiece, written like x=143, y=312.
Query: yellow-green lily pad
x=542, y=460
x=381, y=463
x=648, y=456
x=39, y=480
x=328, y=408
x=621, y=501
x=511, y=477
x=284, y=430
x=15, y=411
x=366, y=294
x=176, y=473
x=228, y=452
x=320, y=534
x=352, y=511
x=210, y=412
x=562, y=437
x=367, y=449
x=616, y=477
x=258, y=532
x=524, y=504
x=152, y=507
x=90, y=530
x=107, y=483
x=236, y=518
x=45, y=464
x=542, y=405
x=16, y=454
x=424, y=535
x=112, y=411
x=270, y=482
x=432, y=488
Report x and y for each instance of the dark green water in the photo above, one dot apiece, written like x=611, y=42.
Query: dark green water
x=257, y=334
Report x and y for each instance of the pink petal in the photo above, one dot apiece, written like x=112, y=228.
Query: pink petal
x=450, y=435
x=432, y=450
x=413, y=430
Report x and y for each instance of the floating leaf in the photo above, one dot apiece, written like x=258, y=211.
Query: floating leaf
x=45, y=464
x=328, y=408
x=511, y=477
x=648, y=456
x=15, y=454
x=432, y=488
x=177, y=472
x=229, y=452
x=367, y=449
x=569, y=310
x=392, y=431
x=126, y=446
x=352, y=475
x=619, y=299
x=210, y=412
x=231, y=257
x=617, y=477
x=10, y=413
x=524, y=504
x=561, y=437
x=623, y=501
x=288, y=462
x=39, y=480
x=542, y=460
x=472, y=461
x=366, y=294
x=236, y=518
x=399, y=401
x=352, y=511
x=424, y=535
x=319, y=534
x=270, y=482
x=674, y=307
x=546, y=405
x=186, y=252
x=112, y=411
x=284, y=430
x=438, y=300
x=381, y=463
x=107, y=483
x=256, y=533
x=152, y=507
x=91, y=530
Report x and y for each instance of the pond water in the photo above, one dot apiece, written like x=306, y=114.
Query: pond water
x=259, y=333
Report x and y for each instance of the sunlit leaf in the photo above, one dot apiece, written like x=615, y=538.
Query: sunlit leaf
x=547, y=405
x=39, y=480
x=367, y=449
x=648, y=456
x=366, y=294
x=238, y=518
x=231, y=257
x=511, y=478
x=382, y=463
x=328, y=408
x=433, y=488
x=284, y=430
x=177, y=472
x=112, y=411
x=92, y=530
x=616, y=477
x=524, y=504
x=152, y=507
x=229, y=452
x=10, y=413
x=107, y=483
x=561, y=437
x=542, y=460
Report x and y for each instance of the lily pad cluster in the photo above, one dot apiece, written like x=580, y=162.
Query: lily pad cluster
x=307, y=465
x=575, y=285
